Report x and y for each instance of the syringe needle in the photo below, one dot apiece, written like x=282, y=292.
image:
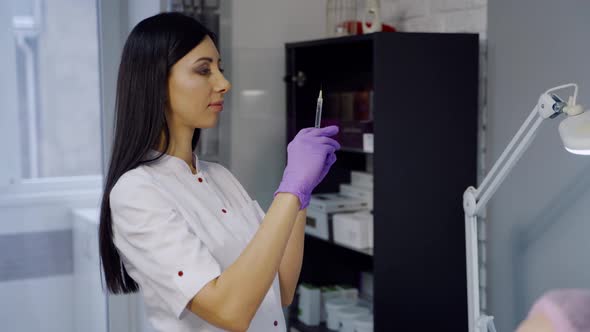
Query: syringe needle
x=318, y=110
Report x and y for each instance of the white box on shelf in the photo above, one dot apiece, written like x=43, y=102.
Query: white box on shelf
x=318, y=223
x=368, y=142
x=333, y=292
x=328, y=293
x=332, y=308
x=353, y=230
x=366, y=289
x=363, y=193
x=348, y=292
x=336, y=202
x=361, y=179
x=310, y=299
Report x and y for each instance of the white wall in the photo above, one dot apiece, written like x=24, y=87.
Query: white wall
x=437, y=15
x=10, y=168
x=259, y=30
x=68, y=137
x=538, y=220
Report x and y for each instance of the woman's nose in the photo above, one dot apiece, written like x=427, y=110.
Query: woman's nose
x=223, y=85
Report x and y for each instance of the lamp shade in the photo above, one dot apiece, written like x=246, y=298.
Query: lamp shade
x=575, y=133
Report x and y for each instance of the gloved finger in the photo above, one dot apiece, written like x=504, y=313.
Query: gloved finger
x=331, y=159
x=327, y=141
x=323, y=150
x=305, y=131
x=327, y=149
x=325, y=131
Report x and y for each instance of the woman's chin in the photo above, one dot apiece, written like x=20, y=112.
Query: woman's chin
x=211, y=124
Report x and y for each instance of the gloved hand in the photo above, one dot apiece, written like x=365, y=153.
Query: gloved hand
x=309, y=158
x=329, y=162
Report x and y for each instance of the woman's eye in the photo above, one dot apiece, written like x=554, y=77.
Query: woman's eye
x=204, y=71
x=207, y=71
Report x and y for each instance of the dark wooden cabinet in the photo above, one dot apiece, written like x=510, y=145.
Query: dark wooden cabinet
x=423, y=100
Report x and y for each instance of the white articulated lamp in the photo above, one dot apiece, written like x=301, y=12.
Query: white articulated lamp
x=575, y=135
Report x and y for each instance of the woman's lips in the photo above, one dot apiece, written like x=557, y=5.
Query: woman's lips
x=217, y=106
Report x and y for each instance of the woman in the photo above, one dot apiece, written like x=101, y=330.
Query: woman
x=184, y=231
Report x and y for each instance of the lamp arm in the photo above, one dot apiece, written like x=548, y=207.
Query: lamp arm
x=473, y=202
x=545, y=108
x=484, y=184
x=475, y=199
x=486, y=193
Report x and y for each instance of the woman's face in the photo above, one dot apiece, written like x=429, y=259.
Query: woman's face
x=196, y=88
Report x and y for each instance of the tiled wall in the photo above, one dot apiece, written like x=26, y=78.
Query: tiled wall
x=437, y=15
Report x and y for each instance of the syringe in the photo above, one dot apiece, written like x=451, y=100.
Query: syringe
x=318, y=111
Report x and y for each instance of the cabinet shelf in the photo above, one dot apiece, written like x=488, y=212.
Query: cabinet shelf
x=367, y=251
x=357, y=150
x=300, y=327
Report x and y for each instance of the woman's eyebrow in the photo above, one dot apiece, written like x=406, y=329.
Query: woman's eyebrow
x=208, y=59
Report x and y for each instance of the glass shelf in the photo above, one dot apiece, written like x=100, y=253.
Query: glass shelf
x=297, y=326
x=357, y=150
x=367, y=251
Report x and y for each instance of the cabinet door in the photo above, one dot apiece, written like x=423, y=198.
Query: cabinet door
x=425, y=157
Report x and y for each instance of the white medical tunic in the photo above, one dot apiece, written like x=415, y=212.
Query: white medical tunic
x=175, y=231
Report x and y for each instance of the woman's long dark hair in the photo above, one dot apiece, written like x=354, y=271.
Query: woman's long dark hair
x=152, y=48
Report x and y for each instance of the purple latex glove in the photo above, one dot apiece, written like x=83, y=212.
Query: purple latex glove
x=309, y=158
x=329, y=162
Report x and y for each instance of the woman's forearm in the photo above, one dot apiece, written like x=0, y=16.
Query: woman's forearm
x=290, y=267
x=234, y=297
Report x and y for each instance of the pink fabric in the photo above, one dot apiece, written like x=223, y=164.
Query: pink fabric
x=567, y=309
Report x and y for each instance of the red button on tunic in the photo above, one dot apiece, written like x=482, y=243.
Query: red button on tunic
x=200, y=179
x=276, y=323
x=224, y=210
x=180, y=273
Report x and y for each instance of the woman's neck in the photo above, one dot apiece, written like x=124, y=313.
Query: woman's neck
x=180, y=148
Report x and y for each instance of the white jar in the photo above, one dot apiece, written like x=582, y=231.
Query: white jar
x=347, y=316
x=332, y=306
x=363, y=324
